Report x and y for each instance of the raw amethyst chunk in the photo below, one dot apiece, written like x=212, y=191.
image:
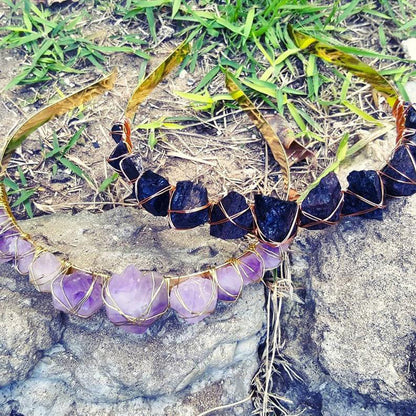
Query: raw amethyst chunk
x=149, y=184
x=229, y=281
x=131, y=167
x=134, y=299
x=410, y=118
x=366, y=184
x=276, y=219
x=189, y=196
x=43, y=270
x=25, y=252
x=233, y=206
x=8, y=241
x=271, y=255
x=77, y=293
x=399, y=176
x=251, y=267
x=116, y=156
x=323, y=202
x=194, y=299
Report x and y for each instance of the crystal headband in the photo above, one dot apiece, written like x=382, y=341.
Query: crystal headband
x=134, y=299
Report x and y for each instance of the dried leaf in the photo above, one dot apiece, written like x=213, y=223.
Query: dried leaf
x=295, y=150
x=60, y=107
x=150, y=82
x=261, y=123
x=44, y=208
x=337, y=57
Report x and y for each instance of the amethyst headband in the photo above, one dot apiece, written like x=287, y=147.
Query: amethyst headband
x=134, y=299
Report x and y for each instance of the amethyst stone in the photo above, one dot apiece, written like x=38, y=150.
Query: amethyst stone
x=43, y=270
x=77, y=293
x=229, y=281
x=271, y=255
x=134, y=300
x=8, y=245
x=25, y=252
x=251, y=267
x=194, y=299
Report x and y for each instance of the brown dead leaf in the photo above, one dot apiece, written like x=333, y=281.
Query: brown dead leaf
x=60, y=107
x=150, y=82
x=272, y=139
x=295, y=150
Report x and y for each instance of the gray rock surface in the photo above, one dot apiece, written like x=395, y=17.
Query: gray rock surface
x=352, y=340
x=26, y=325
x=76, y=367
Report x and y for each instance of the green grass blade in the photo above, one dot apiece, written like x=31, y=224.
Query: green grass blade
x=108, y=181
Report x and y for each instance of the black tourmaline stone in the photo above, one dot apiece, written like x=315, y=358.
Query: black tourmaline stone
x=367, y=184
x=131, y=167
x=275, y=217
x=403, y=183
x=410, y=120
x=117, y=132
x=322, y=202
x=233, y=204
x=189, y=196
x=119, y=152
x=149, y=184
x=411, y=138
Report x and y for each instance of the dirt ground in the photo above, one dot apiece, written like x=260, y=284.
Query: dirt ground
x=223, y=150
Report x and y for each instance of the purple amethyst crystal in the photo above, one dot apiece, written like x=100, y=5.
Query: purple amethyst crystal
x=8, y=245
x=43, y=270
x=134, y=300
x=230, y=282
x=194, y=299
x=77, y=293
x=25, y=253
x=250, y=265
x=270, y=254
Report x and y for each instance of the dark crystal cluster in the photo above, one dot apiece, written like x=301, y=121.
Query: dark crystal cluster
x=231, y=217
x=189, y=205
x=364, y=185
x=272, y=219
x=152, y=192
x=322, y=207
x=276, y=219
x=399, y=175
x=410, y=120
